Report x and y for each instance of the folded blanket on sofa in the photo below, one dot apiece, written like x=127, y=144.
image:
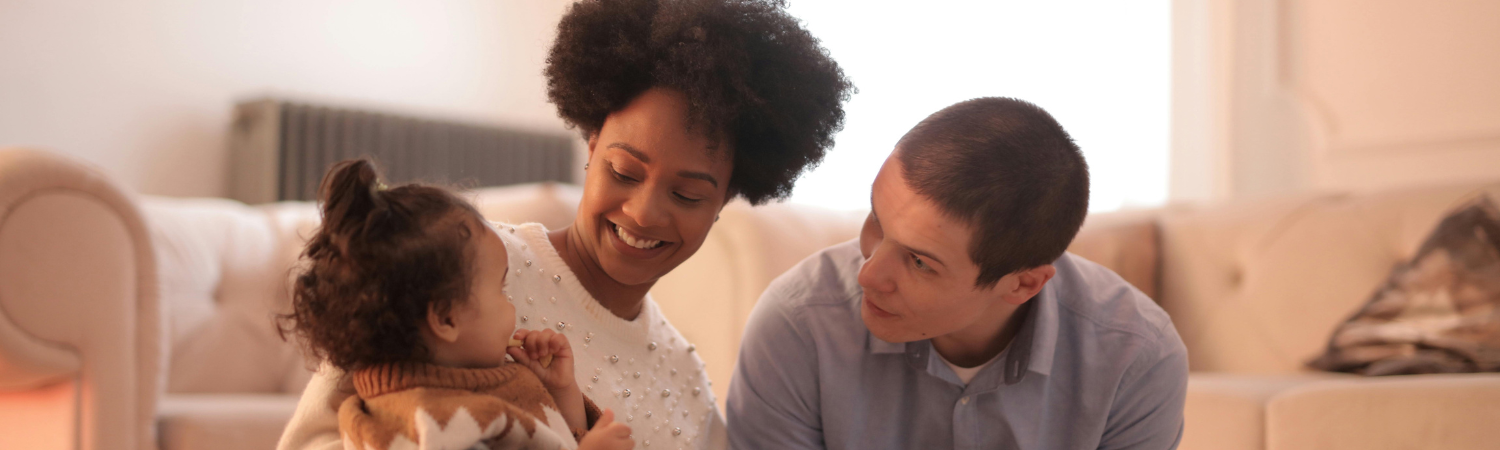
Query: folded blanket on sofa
x=1438, y=313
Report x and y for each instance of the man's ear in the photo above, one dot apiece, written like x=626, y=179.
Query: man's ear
x=1026, y=283
x=442, y=325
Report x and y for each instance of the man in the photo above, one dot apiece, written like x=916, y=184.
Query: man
x=956, y=320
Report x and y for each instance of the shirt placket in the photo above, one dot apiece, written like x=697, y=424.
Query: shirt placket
x=968, y=420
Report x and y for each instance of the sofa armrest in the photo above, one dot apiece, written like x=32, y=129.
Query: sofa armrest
x=78, y=297
x=1417, y=411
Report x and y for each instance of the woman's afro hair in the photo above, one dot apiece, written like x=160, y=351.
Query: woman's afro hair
x=751, y=74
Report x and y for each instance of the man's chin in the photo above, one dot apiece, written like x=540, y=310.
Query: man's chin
x=884, y=330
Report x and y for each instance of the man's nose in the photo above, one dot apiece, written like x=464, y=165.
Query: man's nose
x=874, y=275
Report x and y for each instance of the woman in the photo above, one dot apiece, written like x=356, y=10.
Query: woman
x=685, y=104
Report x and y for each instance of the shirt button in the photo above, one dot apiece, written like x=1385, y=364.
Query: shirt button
x=963, y=401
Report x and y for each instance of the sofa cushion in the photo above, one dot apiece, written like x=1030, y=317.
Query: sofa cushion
x=1438, y=313
x=709, y=297
x=220, y=275
x=1228, y=411
x=1125, y=242
x=1451, y=412
x=225, y=270
x=223, y=421
x=1255, y=287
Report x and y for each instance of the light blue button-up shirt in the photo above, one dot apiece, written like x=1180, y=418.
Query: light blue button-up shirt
x=1095, y=365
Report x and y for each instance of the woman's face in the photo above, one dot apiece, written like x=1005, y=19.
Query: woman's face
x=652, y=188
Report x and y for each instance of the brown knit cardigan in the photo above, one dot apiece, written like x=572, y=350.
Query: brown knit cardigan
x=430, y=407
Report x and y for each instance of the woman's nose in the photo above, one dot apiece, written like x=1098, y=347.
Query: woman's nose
x=645, y=210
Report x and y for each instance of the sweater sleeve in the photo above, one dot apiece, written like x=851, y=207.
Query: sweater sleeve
x=315, y=424
x=591, y=414
x=718, y=437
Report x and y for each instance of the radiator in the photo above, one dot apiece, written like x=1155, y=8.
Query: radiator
x=280, y=150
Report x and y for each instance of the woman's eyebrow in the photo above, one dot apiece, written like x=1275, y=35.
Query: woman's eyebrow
x=646, y=159
x=699, y=176
x=632, y=151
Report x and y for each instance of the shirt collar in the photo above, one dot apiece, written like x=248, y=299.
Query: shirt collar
x=1031, y=350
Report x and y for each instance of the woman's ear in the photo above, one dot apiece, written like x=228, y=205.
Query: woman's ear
x=442, y=325
x=593, y=141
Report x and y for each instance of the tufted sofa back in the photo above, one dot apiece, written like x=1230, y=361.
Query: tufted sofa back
x=225, y=268
x=1253, y=287
x=1258, y=287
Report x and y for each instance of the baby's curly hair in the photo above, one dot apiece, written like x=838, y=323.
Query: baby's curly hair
x=751, y=73
x=381, y=258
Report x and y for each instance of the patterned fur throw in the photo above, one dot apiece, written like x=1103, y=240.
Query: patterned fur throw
x=1439, y=313
x=430, y=407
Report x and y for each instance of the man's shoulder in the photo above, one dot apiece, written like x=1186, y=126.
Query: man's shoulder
x=813, y=302
x=1091, y=293
x=828, y=277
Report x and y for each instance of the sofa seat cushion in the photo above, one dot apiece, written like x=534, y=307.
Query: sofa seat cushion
x=223, y=421
x=1227, y=411
x=1417, y=411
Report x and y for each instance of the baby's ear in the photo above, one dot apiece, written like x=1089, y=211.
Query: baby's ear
x=442, y=325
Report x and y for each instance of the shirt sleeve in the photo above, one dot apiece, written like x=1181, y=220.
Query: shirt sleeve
x=773, y=398
x=1147, y=412
x=315, y=424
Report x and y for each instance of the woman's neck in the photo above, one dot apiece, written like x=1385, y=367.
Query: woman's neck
x=621, y=300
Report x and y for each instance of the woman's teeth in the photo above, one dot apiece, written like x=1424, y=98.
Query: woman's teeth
x=643, y=244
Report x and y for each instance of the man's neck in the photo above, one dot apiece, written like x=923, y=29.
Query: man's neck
x=981, y=342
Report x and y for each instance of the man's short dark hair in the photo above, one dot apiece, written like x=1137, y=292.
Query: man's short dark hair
x=1007, y=169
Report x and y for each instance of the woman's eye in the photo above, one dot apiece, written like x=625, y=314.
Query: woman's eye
x=622, y=177
x=686, y=198
x=918, y=262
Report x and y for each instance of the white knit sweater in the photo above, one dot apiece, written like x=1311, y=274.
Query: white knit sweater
x=642, y=369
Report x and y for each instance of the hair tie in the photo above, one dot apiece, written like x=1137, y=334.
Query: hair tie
x=375, y=189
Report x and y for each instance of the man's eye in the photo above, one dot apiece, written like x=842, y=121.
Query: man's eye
x=918, y=262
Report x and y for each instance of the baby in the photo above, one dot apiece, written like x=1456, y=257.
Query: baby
x=403, y=288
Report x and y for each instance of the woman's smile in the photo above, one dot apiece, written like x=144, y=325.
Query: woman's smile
x=633, y=245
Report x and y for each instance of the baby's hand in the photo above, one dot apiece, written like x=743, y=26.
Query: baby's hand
x=537, y=349
x=607, y=435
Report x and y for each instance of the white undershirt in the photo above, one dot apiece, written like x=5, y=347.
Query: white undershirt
x=966, y=374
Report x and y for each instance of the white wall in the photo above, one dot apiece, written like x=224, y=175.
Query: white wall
x=145, y=88
x=1100, y=67
x=1280, y=96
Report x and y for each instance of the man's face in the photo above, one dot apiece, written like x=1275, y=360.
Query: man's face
x=917, y=277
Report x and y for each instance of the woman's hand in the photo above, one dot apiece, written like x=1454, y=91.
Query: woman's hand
x=539, y=346
x=607, y=435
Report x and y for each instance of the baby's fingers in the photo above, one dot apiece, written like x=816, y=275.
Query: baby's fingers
x=519, y=354
x=559, y=344
x=618, y=430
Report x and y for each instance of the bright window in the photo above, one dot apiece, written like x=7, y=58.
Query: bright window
x=1100, y=67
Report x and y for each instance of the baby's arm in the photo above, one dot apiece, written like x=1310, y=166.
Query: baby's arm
x=536, y=348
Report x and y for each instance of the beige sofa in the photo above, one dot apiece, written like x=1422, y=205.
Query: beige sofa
x=151, y=317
